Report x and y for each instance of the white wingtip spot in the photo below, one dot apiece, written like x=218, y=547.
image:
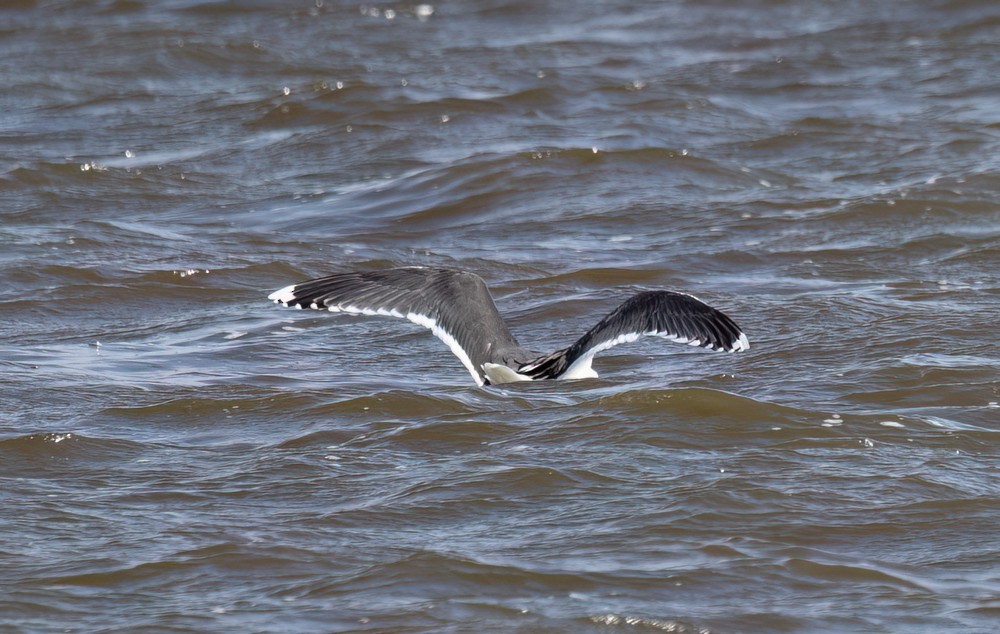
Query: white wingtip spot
x=740, y=344
x=283, y=295
x=743, y=343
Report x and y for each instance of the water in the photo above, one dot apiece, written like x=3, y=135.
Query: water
x=178, y=454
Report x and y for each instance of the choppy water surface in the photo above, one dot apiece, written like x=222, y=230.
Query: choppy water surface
x=178, y=454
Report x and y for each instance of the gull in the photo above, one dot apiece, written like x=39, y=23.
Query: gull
x=458, y=308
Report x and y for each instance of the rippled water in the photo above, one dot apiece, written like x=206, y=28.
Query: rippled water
x=178, y=454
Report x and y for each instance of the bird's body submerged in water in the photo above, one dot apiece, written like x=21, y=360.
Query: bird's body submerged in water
x=458, y=308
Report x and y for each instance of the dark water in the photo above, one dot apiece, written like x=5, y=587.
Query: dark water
x=178, y=454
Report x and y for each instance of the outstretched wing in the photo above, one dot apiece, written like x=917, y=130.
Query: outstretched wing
x=455, y=305
x=675, y=316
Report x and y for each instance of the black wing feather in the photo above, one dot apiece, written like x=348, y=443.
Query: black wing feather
x=675, y=316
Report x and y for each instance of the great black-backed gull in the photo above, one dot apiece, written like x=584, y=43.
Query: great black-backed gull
x=459, y=310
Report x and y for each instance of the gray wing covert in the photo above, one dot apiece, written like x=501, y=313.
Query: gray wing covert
x=455, y=305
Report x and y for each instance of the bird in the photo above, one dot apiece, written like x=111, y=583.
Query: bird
x=457, y=307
